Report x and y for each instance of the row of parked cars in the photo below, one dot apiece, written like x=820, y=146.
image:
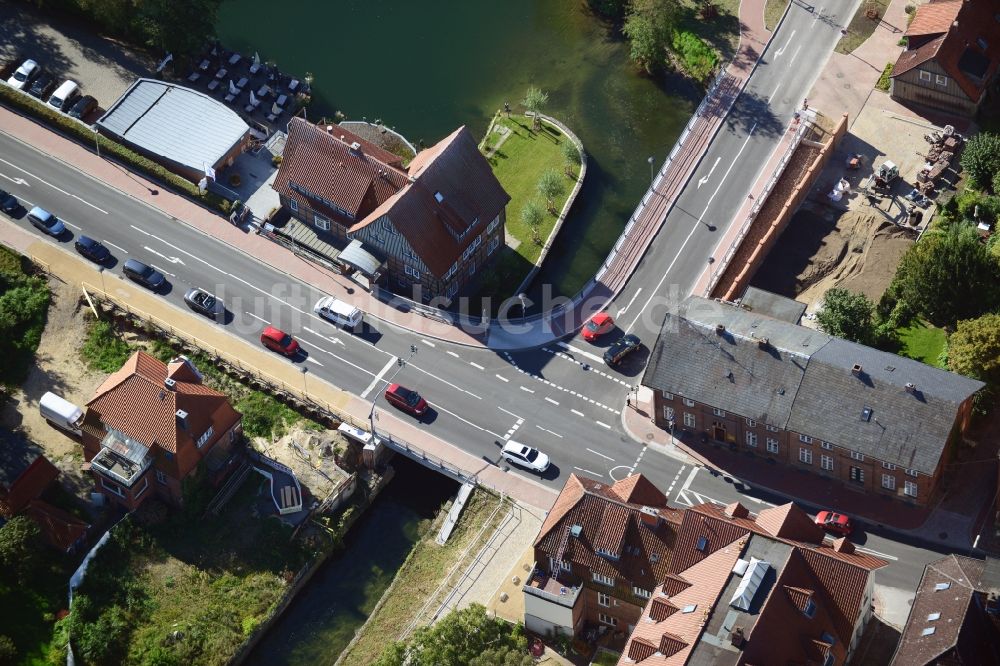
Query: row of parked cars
x=31, y=79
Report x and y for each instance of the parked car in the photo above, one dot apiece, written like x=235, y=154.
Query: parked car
x=525, y=456
x=279, y=341
x=205, y=303
x=338, y=312
x=46, y=222
x=42, y=86
x=837, y=523
x=144, y=274
x=406, y=399
x=83, y=107
x=64, y=96
x=92, y=249
x=597, y=326
x=622, y=347
x=24, y=74
x=8, y=202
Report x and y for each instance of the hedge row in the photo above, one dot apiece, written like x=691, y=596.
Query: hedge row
x=76, y=129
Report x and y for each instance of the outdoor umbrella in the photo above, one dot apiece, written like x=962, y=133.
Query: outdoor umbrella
x=253, y=99
x=233, y=90
x=256, y=59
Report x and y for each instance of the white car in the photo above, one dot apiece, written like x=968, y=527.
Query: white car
x=525, y=456
x=22, y=77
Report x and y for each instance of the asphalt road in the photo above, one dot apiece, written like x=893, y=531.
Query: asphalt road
x=560, y=398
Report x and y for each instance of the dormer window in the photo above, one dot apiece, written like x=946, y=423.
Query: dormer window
x=438, y=197
x=607, y=553
x=810, y=610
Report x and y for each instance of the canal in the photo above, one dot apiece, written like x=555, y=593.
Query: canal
x=322, y=619
x=427, y=67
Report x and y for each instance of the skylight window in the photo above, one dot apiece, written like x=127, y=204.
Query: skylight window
x=933, y=616
x=439, y=197
x=941, y=586
x=927, y=632
x=702, y=543
x=689, y=608
x=866, y=414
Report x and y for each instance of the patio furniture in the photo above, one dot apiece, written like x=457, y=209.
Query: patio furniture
x=282, y=99
x=213, y=84
x=264, y=91
x=229, y=98
x=235, y=58
x=221, y=74
x=242, y=82
x=193, y=76
x=293, y=85
x=203, y=66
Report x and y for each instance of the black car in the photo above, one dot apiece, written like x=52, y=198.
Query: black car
x=205, y=303
x=622, y=347
x=92, y=249
x=8, y=202
x=42, y=86
x=144, y=274
x=83, y=107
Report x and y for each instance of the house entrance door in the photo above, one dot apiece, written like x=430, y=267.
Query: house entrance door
x=719, y=431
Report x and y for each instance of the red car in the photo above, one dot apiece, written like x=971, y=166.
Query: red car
x=403, y=398
x=279, y=341
x=837, y=523
x=597, y=326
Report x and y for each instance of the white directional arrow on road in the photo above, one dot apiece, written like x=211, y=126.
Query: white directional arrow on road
x=782, y=49
x=704, y=179
x=173, y=260
x=16, y=181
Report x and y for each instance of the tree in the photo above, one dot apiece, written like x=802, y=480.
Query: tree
x=974, y=348
x=534, y=101
x=20, y=543
x=504, y=656
x=847, y=315
x=550, y=185
x=948, y=276
x=8, y=651
x=177, y=27
x=981, y=160
x=648, y=25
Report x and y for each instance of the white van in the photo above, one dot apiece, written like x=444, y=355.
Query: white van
x=338, y=313
x=64, y=95
x=61, y=412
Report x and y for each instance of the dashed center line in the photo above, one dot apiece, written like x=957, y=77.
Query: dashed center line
x=549, y=431
x=501, y=378
x=591, y=473
x=611, y=409
x=528, y=390
x=476, y=366
x=426, y=342
x=554, y=402
x=578, y=413
x=601, y=423
x=598, y=453
x=452, y=353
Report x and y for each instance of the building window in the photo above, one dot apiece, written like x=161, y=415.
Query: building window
x=408, y=253
x=689, y=420
x=112, y=487
x=321, y=222
x=493, y=245
x=810, y=610
x=603, y=599
x=493, y=225
x=806, y=455
x=293, y=205
x=925, y=75
x=472, y=248
x=718, y=412
x=668, y=413
x=826, y=462
x=752, y=439
x=472, y=268
x=607, y=619
x=453, y=289
x=751, y=423
x=451, y=271
x=640, y=592
x=772, y=445
x=888, y=481
x=805, y=439
x=161, y=477
x=205, y=437
x=826, y=445
x=772, y=428
x=857, y=474
x=688, y=403
x=909, y=488
x=911, y=472
x=855, y=455
x=667, y=395
x=888, y=466
x=145, y=486
x=941, y=80
x=603, y=580
x=412, y=272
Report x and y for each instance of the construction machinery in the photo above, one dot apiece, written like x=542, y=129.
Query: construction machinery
x=884, y=176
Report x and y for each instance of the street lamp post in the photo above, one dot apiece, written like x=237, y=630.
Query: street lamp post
x=305, y=388
x=103, y=288
x=711, y=273
x=400, y=364
x=97, y=142
x=650, y=160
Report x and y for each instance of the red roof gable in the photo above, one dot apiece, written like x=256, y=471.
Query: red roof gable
x=60, y=528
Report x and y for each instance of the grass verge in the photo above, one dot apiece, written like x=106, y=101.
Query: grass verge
x=923, y=342
x=884, y=81
x=773, y=11
x=861, y=26
x=425, y=567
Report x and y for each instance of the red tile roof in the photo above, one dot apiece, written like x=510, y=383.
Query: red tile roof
x=637, y=489
x=60, y=528
x=934, y=18
x=788, y=521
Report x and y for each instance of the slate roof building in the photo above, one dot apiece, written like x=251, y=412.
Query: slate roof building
x=742, y=377
x=952, y=56
x=436, y=224
x=180, y=128
x=955, y=616
x=150, y=425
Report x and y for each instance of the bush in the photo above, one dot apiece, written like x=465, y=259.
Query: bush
x=11, y=263
x=263, y=416
x=696, y=56
x=883, y=81
x=24, y=306
x=104, y=349
x=8, y=651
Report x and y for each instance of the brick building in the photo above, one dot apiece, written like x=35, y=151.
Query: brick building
x=750, y=377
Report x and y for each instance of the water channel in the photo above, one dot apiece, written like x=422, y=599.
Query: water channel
x=427, y=67
x=322, y=619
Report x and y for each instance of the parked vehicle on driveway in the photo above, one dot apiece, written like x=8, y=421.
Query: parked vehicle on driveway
x=144, y=274
x=279, y=341
x=92, y=249
x=46, y=222
x=24, y=75
x=205, y=303
x=64, y=96
x=83, y=107
x=42, y=86
x=8, y=202
x=61, y=412
x=622, y=347
x=525, y=456
x=338, y=313
x=597, y=326
x=406, y=399
x=837, y=523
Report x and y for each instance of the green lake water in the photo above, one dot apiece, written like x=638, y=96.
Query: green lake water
x=427, y=67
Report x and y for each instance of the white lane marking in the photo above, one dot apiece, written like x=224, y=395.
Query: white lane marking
x=598, y=453
x=690, y=478
x=257, y=318
x=794, y=55
x=452, y=353
x=16, y=181
x=115, y=246
x=163, y=270
x=378, y=377
x=70, y=224
x=576, y=350
x=776, y=88
x=601, y=423
x=884, y=556
x=578, y=413
x=507, y=411
x=693, y=229
x=554, y=402
x=466, y=421
x=528, y=390
x=443, y=381
x=428, y=343
x=336, y=341
x=173, y=260
x=631, y=301
x=704, y=179
x=476, y=366
x=549, y=431
x=782, y=49
x=501, y=378
x=58, y=189
x=588, y=471
x=312, y=360
x=339, y=358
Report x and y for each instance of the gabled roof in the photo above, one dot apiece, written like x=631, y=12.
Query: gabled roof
x=802, y=380
x=60, y=528
x=934, y=18
x=136, y=402
x=789, y=521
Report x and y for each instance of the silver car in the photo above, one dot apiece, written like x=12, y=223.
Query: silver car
x=201, y=301
x=28, y=70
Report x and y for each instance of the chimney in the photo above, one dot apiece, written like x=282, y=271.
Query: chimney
x=650, y=517
x=170, y=384
x=720, y=329
x=329, y=129
x=736, y=638
x=355, y=147
x=763, y=343
x=182, y=419
x=842, y=545
x=911, y=388
x=856, y=370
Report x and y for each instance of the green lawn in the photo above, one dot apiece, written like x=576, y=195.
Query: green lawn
x=862, y=27
x=773, y=11
x=922, y=342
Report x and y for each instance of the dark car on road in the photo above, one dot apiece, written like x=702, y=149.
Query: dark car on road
x=204, y=303
x=8, y=202
x=83, y=107
x=42, y=86
x=144, y=274
x=622, y=347
x=92, y=249
x=406, y=399
x=46, y=222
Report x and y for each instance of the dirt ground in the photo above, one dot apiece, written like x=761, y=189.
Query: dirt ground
x=58, y=368
x=310, y=454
